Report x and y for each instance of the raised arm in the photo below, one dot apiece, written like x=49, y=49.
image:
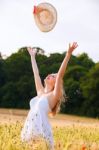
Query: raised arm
x=62, y=69
x=38, y=83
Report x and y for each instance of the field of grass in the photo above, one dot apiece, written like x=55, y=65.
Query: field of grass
x=76, y=133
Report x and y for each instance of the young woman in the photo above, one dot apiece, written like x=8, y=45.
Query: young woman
x=48, y=100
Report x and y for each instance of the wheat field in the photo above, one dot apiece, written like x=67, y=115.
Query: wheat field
x=70, y=132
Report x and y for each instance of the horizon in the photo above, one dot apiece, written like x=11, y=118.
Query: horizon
x=47, y=54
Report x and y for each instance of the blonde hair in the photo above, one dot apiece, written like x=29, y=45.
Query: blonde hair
x=57, y=107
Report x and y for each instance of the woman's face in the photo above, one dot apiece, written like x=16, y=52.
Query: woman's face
x=50, y=79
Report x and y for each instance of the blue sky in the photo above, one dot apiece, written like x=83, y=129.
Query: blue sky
x=78, y=20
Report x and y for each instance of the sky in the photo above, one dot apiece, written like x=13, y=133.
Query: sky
x=77, y=20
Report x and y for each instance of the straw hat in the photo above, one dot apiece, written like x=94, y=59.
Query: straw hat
x=45, y=16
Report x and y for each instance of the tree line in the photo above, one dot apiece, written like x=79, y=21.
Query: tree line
x=81, y=81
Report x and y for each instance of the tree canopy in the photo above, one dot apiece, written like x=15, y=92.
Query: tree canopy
x=81, y=81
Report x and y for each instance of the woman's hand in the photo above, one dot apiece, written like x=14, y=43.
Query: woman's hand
x=72, y=47
x=32, y=51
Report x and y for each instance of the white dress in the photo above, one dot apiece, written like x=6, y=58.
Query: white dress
x=37, y=123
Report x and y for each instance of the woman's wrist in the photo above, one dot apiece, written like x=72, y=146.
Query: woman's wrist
x=68, y=53
x=32, y=56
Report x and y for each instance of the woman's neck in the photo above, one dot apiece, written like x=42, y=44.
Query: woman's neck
x=48, y=89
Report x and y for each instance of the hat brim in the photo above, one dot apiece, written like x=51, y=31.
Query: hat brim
x=46, y=27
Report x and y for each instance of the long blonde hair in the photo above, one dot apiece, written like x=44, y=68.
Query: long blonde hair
x=57, y=107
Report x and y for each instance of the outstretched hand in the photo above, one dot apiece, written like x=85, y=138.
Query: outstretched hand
x=32, y=51
x=72, y=47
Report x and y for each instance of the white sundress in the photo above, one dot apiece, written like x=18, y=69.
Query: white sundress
x=37, y=123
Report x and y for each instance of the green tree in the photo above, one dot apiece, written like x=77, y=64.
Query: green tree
x=73, y=91
x=85, y=61
x=75, y=72
x=90, y=88
x=81, y=81
x=9, y=95
x=2, y=73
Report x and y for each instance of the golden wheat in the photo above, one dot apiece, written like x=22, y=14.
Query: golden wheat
x=73, y=137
